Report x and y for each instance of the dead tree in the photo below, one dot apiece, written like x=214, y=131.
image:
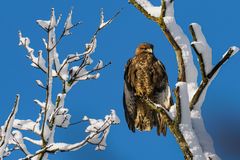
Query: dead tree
x=53, y=113
x=184, y=119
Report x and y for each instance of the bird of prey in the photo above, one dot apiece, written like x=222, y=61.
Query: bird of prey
x=145, y=77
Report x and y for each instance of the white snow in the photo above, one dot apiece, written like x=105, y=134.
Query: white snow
x=62, y=120
x=85, y=118
x=27, y=125
x=184, y=103
x=102, y=23
x=48, y=24
x=25, y=41
x=172, y=111
x=192, y=141
x=60, y=115
x=90, y=47
x=154, y=11
x=169, y=8
x=186, y=123
x=81, y=73
x=39, y=82
x=202, y=47
x=41, y=61
x=44, y=42
x=18, y=140
x=204, y=138
x=36, y=142
x=64, y=71
x=235, y=50
x=144, y=3
x=6, y=129
x=43, y=24
x=41, y=104
x=68, y=24
x=114, y=117
x=184, y=44
x=99, y=65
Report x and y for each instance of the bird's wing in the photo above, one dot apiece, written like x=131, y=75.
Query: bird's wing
x=161, y=95
x=159, y=76
x=129, y=100
x=162, y=92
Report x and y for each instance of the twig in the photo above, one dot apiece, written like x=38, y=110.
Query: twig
x=62, y=35
x=94, y=70
x=78, y=122
x=82, y=143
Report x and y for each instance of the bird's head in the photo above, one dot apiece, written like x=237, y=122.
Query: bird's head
x=144, y=48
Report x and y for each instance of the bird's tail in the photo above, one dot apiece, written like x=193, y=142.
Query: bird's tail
x=161, y=125
x=146, y=119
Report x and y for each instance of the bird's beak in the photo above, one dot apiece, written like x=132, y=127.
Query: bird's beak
x=149, y=50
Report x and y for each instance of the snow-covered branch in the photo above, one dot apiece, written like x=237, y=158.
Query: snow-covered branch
x=6, y=129
x=146, y=7
x=199, y=95
x=189, y=95
x=97, y=133
x=56, y=114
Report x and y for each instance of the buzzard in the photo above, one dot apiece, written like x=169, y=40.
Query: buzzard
x=145, y=77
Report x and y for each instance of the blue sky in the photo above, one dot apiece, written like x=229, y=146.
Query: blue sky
x=116, y=43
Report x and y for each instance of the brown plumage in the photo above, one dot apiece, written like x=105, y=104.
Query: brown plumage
x=145, y=77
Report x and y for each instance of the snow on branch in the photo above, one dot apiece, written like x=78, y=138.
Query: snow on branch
x=187, y=124
x=27, y=125
x=6, y=129
x=17, y=140
x=105, y=23
x=146, y=7
x=97, y=134
x=201, y=47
